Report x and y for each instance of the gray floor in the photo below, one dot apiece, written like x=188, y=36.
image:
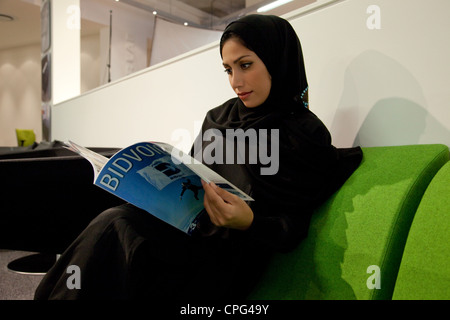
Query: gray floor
x=15, y=286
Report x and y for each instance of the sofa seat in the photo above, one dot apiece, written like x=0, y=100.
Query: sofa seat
x=48, y=198
x=356, y=238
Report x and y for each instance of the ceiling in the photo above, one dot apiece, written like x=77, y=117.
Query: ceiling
x=212, y=14
x=26, y=27
x=218, y=8
x=22, y=30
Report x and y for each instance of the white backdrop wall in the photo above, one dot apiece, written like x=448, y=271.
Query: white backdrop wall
x=377, y=76
x=171, y=39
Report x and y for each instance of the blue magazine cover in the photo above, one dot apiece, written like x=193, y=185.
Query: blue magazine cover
x=148, y=175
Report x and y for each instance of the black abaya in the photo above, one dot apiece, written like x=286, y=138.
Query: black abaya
x=126, y=253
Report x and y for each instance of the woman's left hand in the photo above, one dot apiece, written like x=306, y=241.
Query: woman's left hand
x=226, y=209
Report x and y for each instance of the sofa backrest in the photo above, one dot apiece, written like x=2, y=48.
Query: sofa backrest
x=356, y=238
x=425, y=268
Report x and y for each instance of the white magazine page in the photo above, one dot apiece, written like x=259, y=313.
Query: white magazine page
x=201, y=170
x=97, y=160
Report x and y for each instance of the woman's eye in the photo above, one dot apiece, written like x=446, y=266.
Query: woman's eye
x=228, y=71
x=245, y=65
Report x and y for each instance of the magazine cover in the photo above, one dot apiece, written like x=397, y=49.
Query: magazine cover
x=148, y=175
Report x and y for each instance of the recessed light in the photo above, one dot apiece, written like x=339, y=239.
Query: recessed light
x=273, y=5
x=5, y=18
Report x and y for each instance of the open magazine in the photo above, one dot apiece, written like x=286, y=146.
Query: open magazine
x=158, y=178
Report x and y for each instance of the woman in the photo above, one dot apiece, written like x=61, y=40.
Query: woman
x=125, y=253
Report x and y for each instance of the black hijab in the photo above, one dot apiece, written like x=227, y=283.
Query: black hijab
x=310, y=167
x=275, y=42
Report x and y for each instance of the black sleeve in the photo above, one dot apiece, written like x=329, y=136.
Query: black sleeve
x=279, y=232
x=311, y=170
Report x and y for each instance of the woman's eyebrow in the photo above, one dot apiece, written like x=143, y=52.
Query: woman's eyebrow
x=238, y=59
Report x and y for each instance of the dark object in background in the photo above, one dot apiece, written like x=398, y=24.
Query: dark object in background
x=47, y=197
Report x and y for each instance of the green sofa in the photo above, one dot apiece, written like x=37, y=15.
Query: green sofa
x=425, y=270
x=383, y=235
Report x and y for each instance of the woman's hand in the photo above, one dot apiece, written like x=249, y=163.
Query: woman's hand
x=226, y=209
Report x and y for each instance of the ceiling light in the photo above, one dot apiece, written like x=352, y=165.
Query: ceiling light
x=273, y=5
x=155, y=13
x=186, y=24
x=5, y=18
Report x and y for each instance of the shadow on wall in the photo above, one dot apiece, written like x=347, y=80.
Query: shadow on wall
x=392, y=121
x=391, y=101
x=399, y=121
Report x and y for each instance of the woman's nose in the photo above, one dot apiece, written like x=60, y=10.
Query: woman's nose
x=236, y=80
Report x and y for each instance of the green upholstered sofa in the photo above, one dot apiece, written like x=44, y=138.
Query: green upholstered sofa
x=425, y=266
x=383, y=235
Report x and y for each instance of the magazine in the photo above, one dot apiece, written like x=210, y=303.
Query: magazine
x=157, y=178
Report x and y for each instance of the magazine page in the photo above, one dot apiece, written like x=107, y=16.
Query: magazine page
x=145, y=175
x=203, y=171
x=97, y=160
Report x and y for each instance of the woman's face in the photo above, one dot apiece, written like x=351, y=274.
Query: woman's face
x=248, y=76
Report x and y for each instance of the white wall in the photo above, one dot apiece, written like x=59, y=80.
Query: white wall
x=90, y=62
x=20, y=92
x=20, y=86
x=131, y=29
x=149, y=105
x=385, y=86
x=172, y=39
x=64, y=49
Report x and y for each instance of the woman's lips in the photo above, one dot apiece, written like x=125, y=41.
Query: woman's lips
x=244, y=95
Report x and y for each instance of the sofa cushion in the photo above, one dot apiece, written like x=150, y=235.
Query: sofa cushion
x=48, y=198
x=425, y=268
x=356, y=238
